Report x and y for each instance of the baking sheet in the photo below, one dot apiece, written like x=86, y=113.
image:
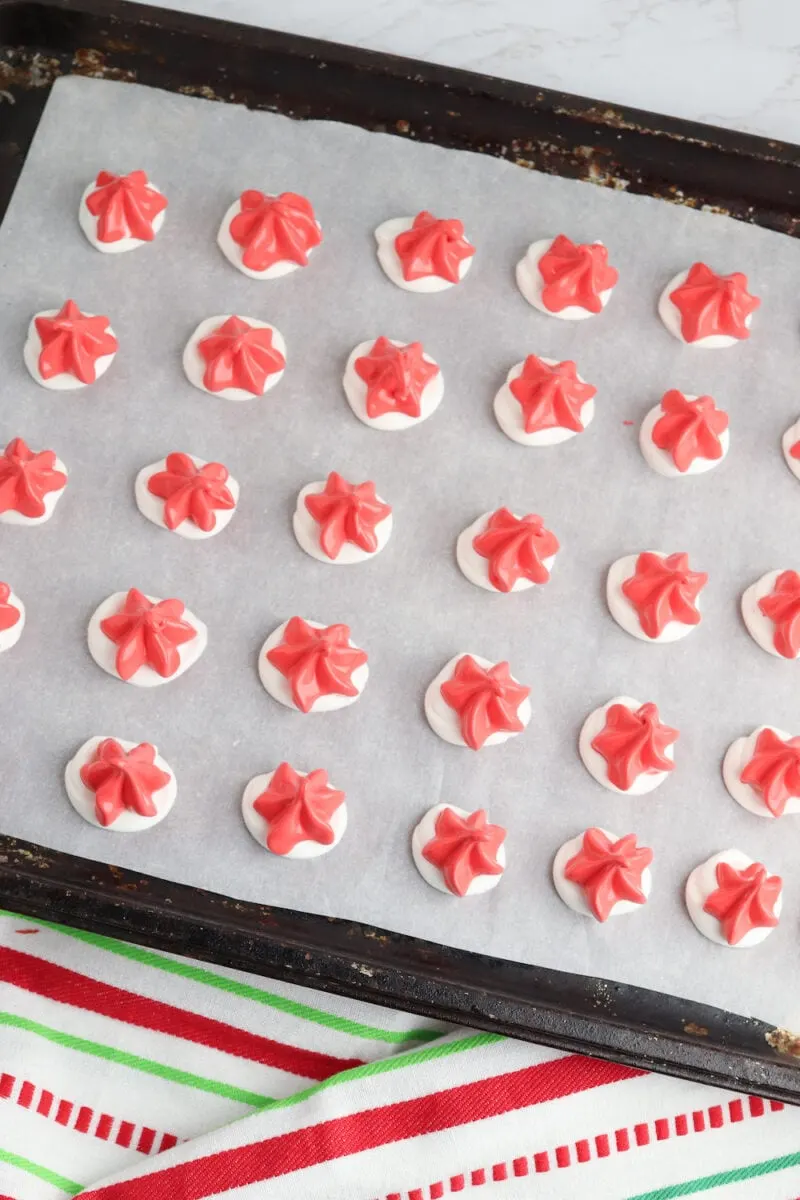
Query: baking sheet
x=410, y=608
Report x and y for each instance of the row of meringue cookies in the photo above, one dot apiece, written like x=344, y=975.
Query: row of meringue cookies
x=653, y=595
x=390, y=385
x=266, y=236
x=472, y=702
x=123, y=787
x=732, y=899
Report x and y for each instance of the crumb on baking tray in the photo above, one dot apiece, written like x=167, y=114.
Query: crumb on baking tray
x=784, y=1041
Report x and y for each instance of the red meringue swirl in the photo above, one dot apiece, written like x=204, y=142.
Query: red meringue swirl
x=486, y=699
x=464, y=848
x=782, y=607
x=239, y=355
x=191, y=493
x=396, y=377
x=72, y=343
x=663, y=589
x=316, y=662
x=516, y=547
x=609, y=871
x=711, y=305
x=125, y=206
x=26, y=477
x=298, y=808
x=273, y=229
x=689, y=429
x=634, y=743
x=433, y=248
x=744, y=900
x=148, y=634
x=123, y=780
x=347, y=512
x=575, y=275
x=551, y=396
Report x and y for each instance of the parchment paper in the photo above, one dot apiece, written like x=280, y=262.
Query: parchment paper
x=410, y=608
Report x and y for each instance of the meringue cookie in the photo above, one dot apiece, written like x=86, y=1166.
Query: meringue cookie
x=83, y=799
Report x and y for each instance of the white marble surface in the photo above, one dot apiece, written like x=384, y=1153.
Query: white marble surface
x=729, y=62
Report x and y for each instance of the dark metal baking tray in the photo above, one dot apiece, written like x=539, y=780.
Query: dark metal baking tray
x=749, y=178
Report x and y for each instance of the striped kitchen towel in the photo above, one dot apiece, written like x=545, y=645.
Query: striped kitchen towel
x=127, y=1074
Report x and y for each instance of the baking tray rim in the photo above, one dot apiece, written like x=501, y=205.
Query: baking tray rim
x=559, y=1009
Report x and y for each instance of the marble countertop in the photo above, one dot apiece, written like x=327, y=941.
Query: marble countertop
x=729, y=62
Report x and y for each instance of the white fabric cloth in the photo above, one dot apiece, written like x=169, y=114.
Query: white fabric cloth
x=127, y=1074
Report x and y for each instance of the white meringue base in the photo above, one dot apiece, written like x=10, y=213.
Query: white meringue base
x=476, y=568
x=152, y=507
x=82, y=798
x=10, y=637
x=88, y=224
x=760, y=628
x=388, y=257
x=104, y=651
x=195, y=368
x=623, y=611
x=280, y=689
x=510, y=417
x=307, y=532
x=425, y=832
x=531, y=284
x=702, y=882
x=355, y=389
x=737, y=756
x=259, y=828
x=788, y=440
x=662, y=461
x=63, y=382
x=595, y=763
x=671, y=316
x=50, y=500
x=233, y=251
x=572, y=893
x=443, y=719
